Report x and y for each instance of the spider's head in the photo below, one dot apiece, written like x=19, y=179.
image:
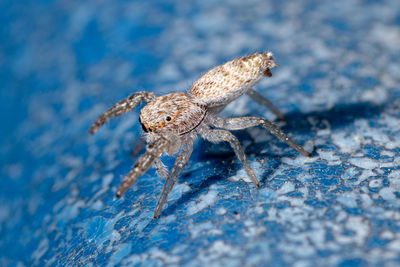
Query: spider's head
x=174, y=113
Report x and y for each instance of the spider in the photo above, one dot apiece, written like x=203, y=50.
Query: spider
x=172, y=121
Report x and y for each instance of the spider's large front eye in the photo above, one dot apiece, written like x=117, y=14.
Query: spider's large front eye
x=143, y=127
x=168, y=118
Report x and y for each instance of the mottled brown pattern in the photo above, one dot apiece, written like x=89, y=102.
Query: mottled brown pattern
x=184, y=113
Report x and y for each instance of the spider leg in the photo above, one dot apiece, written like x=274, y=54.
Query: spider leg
x=121, y=107
x=158, y=165
x=218, y=135
x=246, y=122
x=153, y=151
x=140, y=143
x=181, y=159
x=160, y=168
x=260, y=99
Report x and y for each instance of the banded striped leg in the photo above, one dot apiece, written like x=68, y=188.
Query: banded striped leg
x=217, y=136
x=260, y=99
x=153, y=151
x=121, y=107
x=246, y=122
x=181, y=159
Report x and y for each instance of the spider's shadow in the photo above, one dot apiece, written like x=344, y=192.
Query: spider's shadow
x=203, y=184
x=337, y=117
x=298, y=123
x=196, y=190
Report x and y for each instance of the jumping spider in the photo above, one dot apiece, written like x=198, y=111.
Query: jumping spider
x=172, y=121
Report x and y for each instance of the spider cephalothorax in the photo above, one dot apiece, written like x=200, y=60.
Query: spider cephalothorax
x=172, y=121
x=174, y=113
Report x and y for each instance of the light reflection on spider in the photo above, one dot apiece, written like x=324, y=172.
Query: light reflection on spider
x=172, y=121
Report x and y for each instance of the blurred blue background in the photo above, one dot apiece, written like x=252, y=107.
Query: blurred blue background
x=64, y=62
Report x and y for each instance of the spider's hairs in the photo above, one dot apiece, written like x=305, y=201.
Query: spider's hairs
x=153, y=151
x=180, y=161
x=121, y=107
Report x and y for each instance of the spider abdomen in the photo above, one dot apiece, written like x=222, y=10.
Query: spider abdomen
x=225, y=83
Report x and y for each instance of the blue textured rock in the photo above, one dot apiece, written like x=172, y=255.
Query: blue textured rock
x=338, y=79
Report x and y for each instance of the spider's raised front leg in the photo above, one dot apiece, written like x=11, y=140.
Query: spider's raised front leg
x=246, y=122
x=153, y=151
x=121, y=107
x=158, y=165
x=260, y=99
x=181, y=159
x=217, y=136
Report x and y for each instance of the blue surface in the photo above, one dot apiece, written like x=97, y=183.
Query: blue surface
x=63, y=62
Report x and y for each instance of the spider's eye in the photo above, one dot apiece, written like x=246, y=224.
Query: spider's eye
x=144, y=128
x=168, y=118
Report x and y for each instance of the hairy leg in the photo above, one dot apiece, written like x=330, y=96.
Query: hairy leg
x=246, y=122
x=180, y=161
x=260, y=99
x=217, y=136
x=140, y=143
x=158, y=165
x=160, y=168
x=153, y=151
x=121, y=107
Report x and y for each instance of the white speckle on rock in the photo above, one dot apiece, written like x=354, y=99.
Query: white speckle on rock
x=375, y=95
x=205, y=201
x=299, y=161
x=386, y=35
x=41, y=250
x=387, y=235
x=97, y=205
x=242, y=175
x=252, y=230
x=365, y=174
x=107, y=179
x=394, y=245
x=329, y=156
x=366, y=200
x=394, y=178
x=285, y=188
x=258, y=209
x=221, y=211
x=220, y=247
x=387, y=194
x=121, y=251
x=346, y=143
x=197, y=229
x=348, y=199
x=364, y=163
x=375, y=183
x=360, y=226
x=165, y=258
x=178, y=191
x=388, y=153
x=272, y=214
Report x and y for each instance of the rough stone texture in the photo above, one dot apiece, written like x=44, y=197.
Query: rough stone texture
x=338, y=77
